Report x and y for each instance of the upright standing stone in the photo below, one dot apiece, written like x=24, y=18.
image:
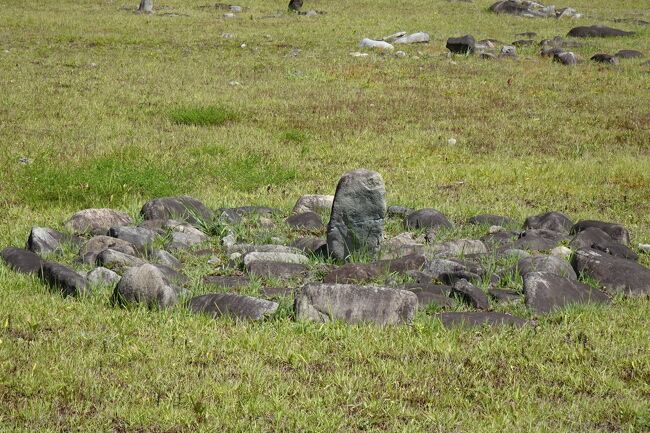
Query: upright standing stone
x=358, y=211
x=146, y=6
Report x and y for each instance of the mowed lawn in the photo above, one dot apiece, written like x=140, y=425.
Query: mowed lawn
x=92, y=104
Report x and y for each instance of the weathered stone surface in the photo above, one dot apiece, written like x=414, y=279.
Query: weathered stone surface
x=146, y=6
x=140, y=237
x=414, y=38
x=460, y=247
x=277, y=269
x=349, y=303
x=538, y=240
x=183, y=208
x=165, y=258
x=512, y=7
x=432, y=294
x=305, y=221
x=358, y=212
x=491, y=220
x=310, y=245
x=380, y=45
x=479, y=318
x=616, y=275
x=426, y=218
x=353, y=273
x=103, y=276
x=616, y=231
x=470, y=295
x=117, y=259
x=46, y=241
x=64, y=278
x=452, y=270
x=22, y=260
x=184, y=237
x=562, y=252
x=462, y=45
x=97, y=221
x=547, y=264
x=501, y=240
x=269, y=248
x=398, y=211
x=274, y=257
x=629, y=54
x=230, y=304
x=145, y=284
x=545, y=292
x=565, y=57
x=605, y=58
x=555, y=221
x=596, y=31
x=593, y=237
x=172, y=276
x=400, y=246
x=504, y=295
x=314, y=203
x=97, y=244
x=227, y=281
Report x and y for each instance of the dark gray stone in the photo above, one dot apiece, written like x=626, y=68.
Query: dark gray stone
x=358, y=212
x=555, y=221
x=146, y=6
x=544, y=292
x=305, y=221
x=172, y=276
x=103, y=276
x=230, y=304
x=21, y=260
x=427, y=218
x=596, y=31
x=429, y=294
x=593, y=237
x=615, y=274
x=116, y=259
x=309, y=245
x=353, y=304
x=450, y=271
x=227, y=281
x=140, y=237
x=295, y=5
x=462, y=45
x=500, y=240
x=398, y=211
x=523, y=42
x=538, y=240
x=181, y=208
x=145, y=284
x=479, y=318
x=97, y=221
x=63, y=278
x=97, y=244
x=547, y=264
x=46, y=241
x=165, y=258
x=629, y=54
x=605, y=58
x=566, y=58
x=512, y=7
x=363, y=272
x=616, y=231
x=491, y=220
x=504, y=295
x=277, y=269
x=470, y=295
x=185, y=237
x=552, y=52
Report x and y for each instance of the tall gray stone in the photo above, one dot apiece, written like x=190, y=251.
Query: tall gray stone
x=350, y=303
x=146, y=6
x=358, y=212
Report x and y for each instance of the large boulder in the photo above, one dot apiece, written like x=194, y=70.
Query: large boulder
x=353, y=304
x=596, y=31
x=554, y=221
x=22, y=260
x=145, y=284
x=427, y=219
x=547, y=264
x=616, y=231
x=615, y=274
x=97, y=221
x=230, y=304
x=64, y=278
x=544, y=292
x=44, y=241
x=357, y=221
x=181, y=208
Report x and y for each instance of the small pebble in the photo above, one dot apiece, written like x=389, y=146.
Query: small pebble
x=451, y=141
x=645, y=248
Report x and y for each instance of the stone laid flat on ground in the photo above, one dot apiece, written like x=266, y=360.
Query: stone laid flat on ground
x=227, y=281
x=357, y=221
x=544, y=292
x=101, y=275
x=277, y=269
x=117, y=259
x=183, y=208
x=22, y=260
x=97, y=221
x=428, y=294
x=145, y=284
x=354, y=304
x=491, y=220
x=548, y=264
x=597, y=31
x=62, y=277
x=361, y=272
x=305, y=221
x=314, y=203
x=91, y=249
x=426, y=219
x=478, y=318
x=615, y=274
x=230, y=304
x=538, y=240
x=554, y=221
x=256, y=256
x=140, y=237
x=459, y=247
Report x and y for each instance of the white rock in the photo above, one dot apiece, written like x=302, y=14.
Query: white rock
x=234, y=8
x=229, y=15
x=391, y=38
x=274, y=257
x=645, y=248
x=313, y=203
x=414, y=38
x=561, y=252
x=358, y=54
x=400, y=54
x=495, y=229
x=380, y=45
x=451, y=141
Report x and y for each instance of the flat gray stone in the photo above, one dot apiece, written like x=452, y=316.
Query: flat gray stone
x=277, y=269
x=103, y=276
x=460, y=247
x=354, y=304
x=140, y=237
x=554, y=221
x=546, y=292
x=116, y=259
x=538, y=240
x=615, y=274
x=165, y=258
x=97, y=221
x=183, y=208
x=314, y=203
x=229, y=304
x=426, y=219
x=305, y=221
x=97, y=244
x=274, y=257
x=548, y=264
x=357, y=221
x=145, y=284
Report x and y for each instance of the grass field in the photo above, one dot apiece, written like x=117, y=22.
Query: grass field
x=111, y=108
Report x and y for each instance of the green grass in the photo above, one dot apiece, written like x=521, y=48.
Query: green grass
x=115, y=108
